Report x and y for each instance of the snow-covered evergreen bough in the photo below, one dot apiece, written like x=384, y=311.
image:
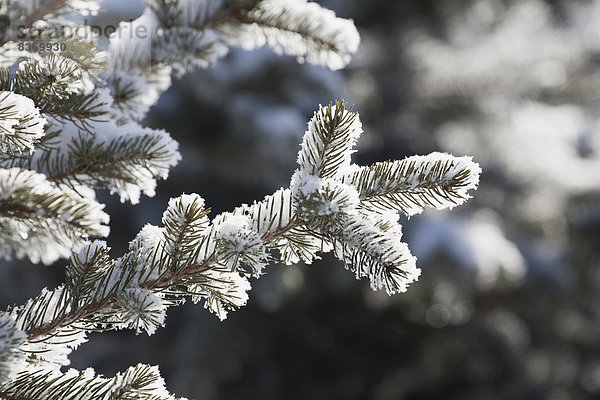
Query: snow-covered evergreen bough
x=69, y=124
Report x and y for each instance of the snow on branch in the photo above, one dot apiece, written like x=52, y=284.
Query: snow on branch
x=60, y=89
x=185, y=225
x=220, y=290
x=326, y=208
x=128, y=164
x=11, y=338
x=141, y=382
x=187, y=34
x=141, y=67
x=141, y=309
x=21, y=124
x=328, y=142
x=240, y=244
x=68, y=125
x=298, y=28
x=190, y=13
x=316, y=215
x=276, y=220
x=33, y=14
x=377, y=254
x=350, y=205
x=33, y=10
x=186, y=49
x=42, y=222
x=438, y=180
x=127, y=160
x=49, y=76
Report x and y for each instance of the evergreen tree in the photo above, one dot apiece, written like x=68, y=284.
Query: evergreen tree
x=70, y=114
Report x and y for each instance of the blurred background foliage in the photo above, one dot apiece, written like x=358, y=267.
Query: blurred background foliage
x=508, y=302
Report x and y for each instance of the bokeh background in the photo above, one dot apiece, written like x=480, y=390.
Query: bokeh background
x=508, y=302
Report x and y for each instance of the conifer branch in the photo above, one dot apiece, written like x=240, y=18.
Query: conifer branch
x=326, y=147
x=21, y=124
x=438, y=180
x=48, y=75
x=376, y=253
x=127, y=165
x=140, y=382
x=193, y=256
x=189, y=34
x=302, y=29
x=42, y=222
x=210, y=260
x=25, y=13
x=185, y=48
x=55, y=85
x=160, y=259
x=47, y=207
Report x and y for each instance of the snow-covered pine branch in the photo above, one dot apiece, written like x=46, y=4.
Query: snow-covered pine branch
x=141, y=382
x=211, y=261
x=81, y=109
x=60, y=88
x=20, y=123
x=437, y=180
x=327, y=144
x=33, y=14
x=374, y=251
x=128, y=164
x=12, y=359
x=41, y=221
x=298, y=28
x=68, y=97
x=185, y=34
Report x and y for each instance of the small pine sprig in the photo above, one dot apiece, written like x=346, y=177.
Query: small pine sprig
x=21, y=124
x=350, y=205
x=437, y=180
x=185, y=49
x=127, y=159
x=142, y=382
x=128, y=164
x=328, y=142
x=375, y=252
